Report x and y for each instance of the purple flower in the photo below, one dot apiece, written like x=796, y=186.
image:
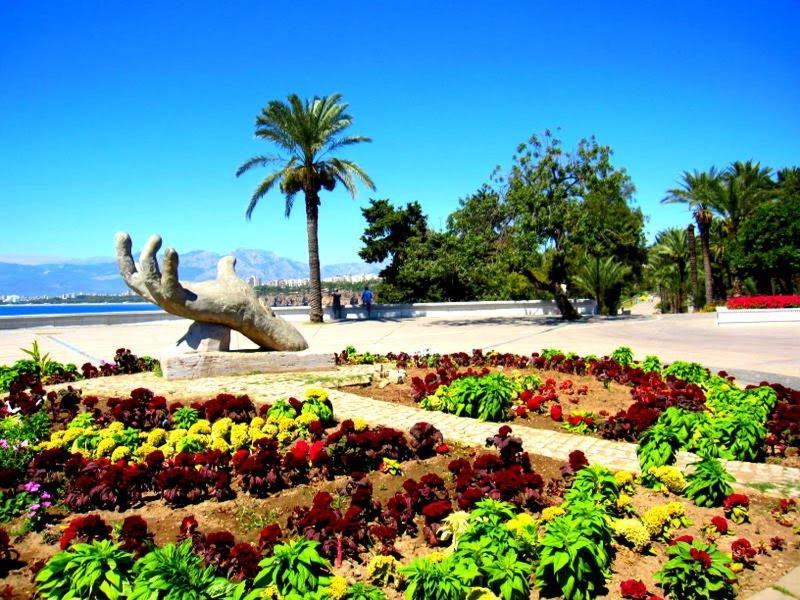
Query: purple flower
x=31, y=486
x=3, y=443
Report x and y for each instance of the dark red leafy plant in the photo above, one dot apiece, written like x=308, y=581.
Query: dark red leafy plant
x=85, y=530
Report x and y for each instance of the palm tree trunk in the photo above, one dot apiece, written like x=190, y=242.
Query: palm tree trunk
x=692, y=262
x=705, y=245
x=314, y=282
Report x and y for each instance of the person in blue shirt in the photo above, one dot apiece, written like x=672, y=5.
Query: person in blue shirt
x=366, y=299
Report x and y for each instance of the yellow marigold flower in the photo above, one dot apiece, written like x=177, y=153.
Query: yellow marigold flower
x=384, y=571
x=438, y=555
x=70, y=435
x=116, y=426
x=256, y=434
x=551, y=512
x=285, y=424
x=338, y=587
x=624, y=479
x=360, y=424
x=221, y=428
x=156, y=437
x=175, y=436
x=632, y=532
x=270, y=430
x=479, y=593
x=239, y=435
x=201, y=426
x=305, y=419
x=656, y=520
x=521, y=521
x=737, y=567
x=104, y=447
x=120, y=453
x=257, y=422
x=199, y=438
x=675, y=509
x=670, y=477
x=56, y=436
x=145, y=449
x=167, y=449
x=284, y=438
x=317, y=393
x=219, y=444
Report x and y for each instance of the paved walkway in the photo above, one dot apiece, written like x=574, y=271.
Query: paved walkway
x=552, y=444
x=760, y=349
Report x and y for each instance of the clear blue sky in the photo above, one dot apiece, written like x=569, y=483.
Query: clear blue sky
x=134, y=115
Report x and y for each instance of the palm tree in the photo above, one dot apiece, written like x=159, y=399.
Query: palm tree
x=690, y=239
x=596, y=276
x=672, y=249
x=700, y=191
x=308, y=132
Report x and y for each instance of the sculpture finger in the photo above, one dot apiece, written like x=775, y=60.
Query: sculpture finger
x=148, y=263
x=127, y=268
x=226, y=268
x=169, y=279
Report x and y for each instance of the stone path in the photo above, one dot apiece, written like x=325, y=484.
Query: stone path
x=769, y=478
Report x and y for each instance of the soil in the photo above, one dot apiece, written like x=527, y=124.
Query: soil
x=245, y=516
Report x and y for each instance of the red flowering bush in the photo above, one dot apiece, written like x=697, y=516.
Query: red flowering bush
x=720, y=525
x=556, y=413
x=736, y=508
x=633, y=589
x=743, y=552
x=745, y=302
x=85, y=530
x=134, y=535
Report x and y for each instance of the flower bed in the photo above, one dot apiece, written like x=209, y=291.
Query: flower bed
x=751, y=302
x=614, y=397
x=479, y=523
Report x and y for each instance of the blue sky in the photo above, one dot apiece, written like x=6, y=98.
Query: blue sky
x=134, y=115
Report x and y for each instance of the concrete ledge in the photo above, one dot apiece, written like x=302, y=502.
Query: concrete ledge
x=726, y=316
x=521, y=308
x=218, y=364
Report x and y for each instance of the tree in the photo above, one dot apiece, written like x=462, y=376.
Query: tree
x=546, y=190
x=309, y=132
x=789, y=182
x=768, y=246
x=700, y=191
x=597, y=276
x=690, y=239
x=670, y=255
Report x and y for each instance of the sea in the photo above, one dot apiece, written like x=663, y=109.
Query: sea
x=16, y=310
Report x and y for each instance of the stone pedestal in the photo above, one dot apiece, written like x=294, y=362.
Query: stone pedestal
x=205, y=337
x=217, y=364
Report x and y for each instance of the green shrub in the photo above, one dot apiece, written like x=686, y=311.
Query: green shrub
x=87, y=572
x=651, y=364
x=177, y=573
x=428, y=579
x=709, y=484
x=697, y=571
x=295, y=568
x=281, y=408
x=185, y=417
x=361, y=591
x=657, y=447
x=485, y=398
x=688, y=371
x=320, y=408
x=571, y=564
x=21, y=434
x=594, y=483
x=623, y=355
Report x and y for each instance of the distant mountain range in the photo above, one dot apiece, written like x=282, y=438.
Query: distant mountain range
x=100, y=276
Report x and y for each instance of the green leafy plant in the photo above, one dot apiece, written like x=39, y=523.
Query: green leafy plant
x=86, y=572
x=430, y=579
x=709, y=483
x=697, y=571
x=651, y=364
x=319, y=407
x=21, y=434
x=42, y=361
x=281, y=408
x=593, y=483
x=571, y=564
x=296, y=567
x=657, y=447
x=185, y=417
x=688, y=371
x=486, y=398
x=177, y=573
x=361, y=591
x=623, y=355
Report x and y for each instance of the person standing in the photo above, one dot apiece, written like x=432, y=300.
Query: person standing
x=366, y=299
x=337, y=304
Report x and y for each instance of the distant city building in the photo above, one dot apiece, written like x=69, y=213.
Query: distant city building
x=254, y=281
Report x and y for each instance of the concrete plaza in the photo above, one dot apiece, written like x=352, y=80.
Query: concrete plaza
x=752, y=352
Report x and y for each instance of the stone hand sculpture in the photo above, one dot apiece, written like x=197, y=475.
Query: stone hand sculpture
x=227, y=300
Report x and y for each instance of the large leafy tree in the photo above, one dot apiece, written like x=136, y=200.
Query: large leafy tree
x=598, y=276
x=307, y=133
x=700, y=191
x=547, y=190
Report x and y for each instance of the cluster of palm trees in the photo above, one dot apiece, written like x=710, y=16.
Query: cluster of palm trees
x=719, y=202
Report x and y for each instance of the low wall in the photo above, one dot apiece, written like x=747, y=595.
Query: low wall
x=726, y=316
x=522, y=308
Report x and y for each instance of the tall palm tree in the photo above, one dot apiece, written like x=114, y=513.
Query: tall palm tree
x=596, y=276
x=672, y=249
x=700, y=191
x=745, y=186
x=690, y=240
x=308, y=132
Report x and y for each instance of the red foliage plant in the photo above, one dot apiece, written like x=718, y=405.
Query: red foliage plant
x=750, y=302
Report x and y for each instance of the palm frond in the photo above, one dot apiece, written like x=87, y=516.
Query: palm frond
x=261, y=191
x=256, y=161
